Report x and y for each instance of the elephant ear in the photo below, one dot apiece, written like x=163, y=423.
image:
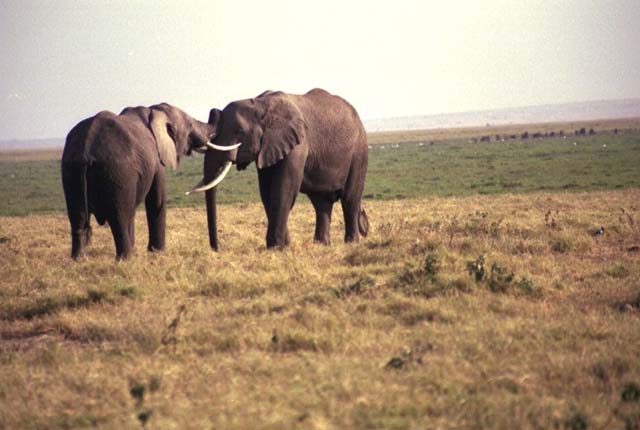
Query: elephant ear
x=215, y=119
x=164, y=134
x=214, y=116
x=283, y=129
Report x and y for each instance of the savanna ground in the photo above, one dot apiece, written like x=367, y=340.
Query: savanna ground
x=480, y=299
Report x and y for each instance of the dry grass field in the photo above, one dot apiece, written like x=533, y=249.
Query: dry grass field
x=479, y=312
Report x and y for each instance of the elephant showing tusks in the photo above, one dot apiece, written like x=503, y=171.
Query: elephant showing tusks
x=204, y=187
x=111, y=163
x=313, y=143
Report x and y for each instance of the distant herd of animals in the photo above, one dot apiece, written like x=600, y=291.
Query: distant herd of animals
x=538, y=135
x=313, y=143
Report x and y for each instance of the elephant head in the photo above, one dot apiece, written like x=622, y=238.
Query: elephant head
x=177, y=133
x=263, y=129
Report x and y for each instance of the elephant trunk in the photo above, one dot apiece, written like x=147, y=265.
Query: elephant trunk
x=216, y=164
x=201, y=135
x=212, y=217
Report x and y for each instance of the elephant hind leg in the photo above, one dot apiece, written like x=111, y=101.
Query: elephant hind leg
x=121, y=221
x=80, y=234
x=121, y=230
x=323, y=207
x=74, y=184
x=355, y=220
x=351, y=211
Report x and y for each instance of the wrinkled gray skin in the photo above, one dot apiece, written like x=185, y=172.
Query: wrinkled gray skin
x=313, y=143
x=111, y=163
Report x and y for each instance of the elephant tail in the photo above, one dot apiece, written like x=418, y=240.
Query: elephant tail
x=84, y=195
x=363, y=223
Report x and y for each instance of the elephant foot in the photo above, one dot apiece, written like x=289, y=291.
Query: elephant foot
x=152, y=248
x=79, y=256
x=352, y=239
x=322, y=241
x=278, y=241
x=123, y=257
x=80, y=239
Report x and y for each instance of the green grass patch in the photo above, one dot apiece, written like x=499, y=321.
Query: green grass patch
x=396, y=171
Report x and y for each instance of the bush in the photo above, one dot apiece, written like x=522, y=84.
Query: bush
x=500, y=280
x=476, y=268
x=426, y=281
x=431, y=265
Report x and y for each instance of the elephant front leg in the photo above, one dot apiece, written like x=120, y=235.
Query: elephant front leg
x=281, y=184
x=80, y=239
x=155, y=206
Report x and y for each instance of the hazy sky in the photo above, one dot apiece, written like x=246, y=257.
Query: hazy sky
x=62, y=61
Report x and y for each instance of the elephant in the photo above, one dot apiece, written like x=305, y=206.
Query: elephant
x=313, y=143
x=111, y=163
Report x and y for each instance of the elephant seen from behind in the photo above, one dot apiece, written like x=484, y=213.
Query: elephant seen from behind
x=313, y=143
x=111, y=163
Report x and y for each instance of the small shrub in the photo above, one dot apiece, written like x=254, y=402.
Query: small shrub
x=96, y=296
x=127, y=291
x=476, y=268
x=631, y=392
x=499, y=279
x=576, y=421
x=525, y=286
x=396, y=363
x=144, y=416
x=431, y=265
x=137, y=391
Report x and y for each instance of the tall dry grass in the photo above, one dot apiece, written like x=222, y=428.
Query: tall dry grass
x=393, y=332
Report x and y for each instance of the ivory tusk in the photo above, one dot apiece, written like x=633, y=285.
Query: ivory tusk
x=199, y=150
x=204, y=187
x=223, y=148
